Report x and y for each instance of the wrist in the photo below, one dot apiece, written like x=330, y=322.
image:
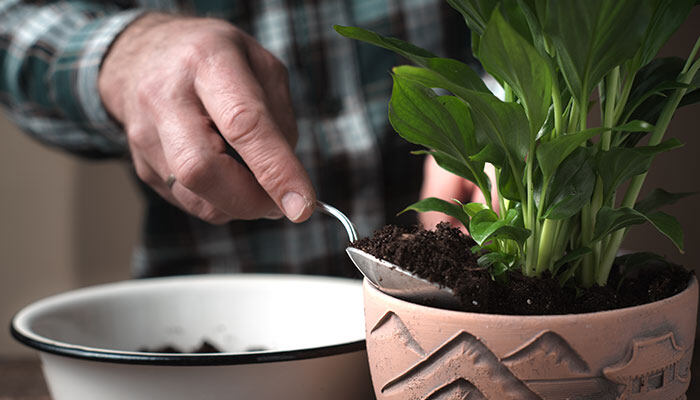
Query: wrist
x=116, y=65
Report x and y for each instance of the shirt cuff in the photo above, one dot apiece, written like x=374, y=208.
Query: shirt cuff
x=75, y=79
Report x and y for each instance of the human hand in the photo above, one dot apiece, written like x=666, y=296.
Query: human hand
x=171, y=82
x=446, y=186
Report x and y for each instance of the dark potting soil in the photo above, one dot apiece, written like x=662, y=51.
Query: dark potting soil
x=204, y=347
x=443, y=256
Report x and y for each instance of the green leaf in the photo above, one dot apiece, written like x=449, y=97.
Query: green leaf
x=451, y=72
x=434, y=204
x=420, y=117
x=508, y=184
x=669, y=226
x=659, y=198
x=474, y=208
x=552, y=153
x=485, y=225
x=591, y=37
x=610, y=220
x=548, y=125
x=504, y=125
x=509, y=57
x=410, y=51
x=571, y=187
x=667, y=17
x=491, y=154
x=475, y=12
x=635, y=126
x=621, y=163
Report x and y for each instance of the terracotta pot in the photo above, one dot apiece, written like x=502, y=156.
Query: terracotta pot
x=419, y=352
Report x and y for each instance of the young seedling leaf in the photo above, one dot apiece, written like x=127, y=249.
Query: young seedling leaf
x=474, y=208
x=511, y=58
x=485, y=225
x=445, y=207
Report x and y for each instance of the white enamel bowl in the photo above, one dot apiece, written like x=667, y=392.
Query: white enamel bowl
x=307, y=332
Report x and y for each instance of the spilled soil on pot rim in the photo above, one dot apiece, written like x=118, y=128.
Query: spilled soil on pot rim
x=443, y=256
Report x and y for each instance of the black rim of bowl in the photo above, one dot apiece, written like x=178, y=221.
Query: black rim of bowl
x=185, y=359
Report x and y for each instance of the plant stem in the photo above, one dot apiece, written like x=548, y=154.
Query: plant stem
x=546, y=245
x=556, y=100
x=611, y=87
x=635, y=186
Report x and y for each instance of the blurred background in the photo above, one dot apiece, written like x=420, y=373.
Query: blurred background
x=67, y=223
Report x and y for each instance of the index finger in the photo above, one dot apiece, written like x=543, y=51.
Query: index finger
x=235, y=101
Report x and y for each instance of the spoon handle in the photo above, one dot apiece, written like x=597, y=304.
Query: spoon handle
x=334, y=212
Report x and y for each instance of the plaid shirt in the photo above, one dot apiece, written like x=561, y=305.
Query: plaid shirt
x=50, y=54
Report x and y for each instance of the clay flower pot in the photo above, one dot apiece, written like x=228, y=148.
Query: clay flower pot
x=419, y=352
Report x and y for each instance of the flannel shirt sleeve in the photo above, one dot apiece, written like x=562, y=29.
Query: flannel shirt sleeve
x=50, y=55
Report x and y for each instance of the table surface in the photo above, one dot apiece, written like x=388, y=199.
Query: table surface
x=21, y=379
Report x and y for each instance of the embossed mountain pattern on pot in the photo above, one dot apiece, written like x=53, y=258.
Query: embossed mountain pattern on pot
x=550, y=367
x=545, y=367
x=655, y=365
x=463, y=357
x=390, y=329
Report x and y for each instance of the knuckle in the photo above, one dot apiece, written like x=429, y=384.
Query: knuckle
x=212, y=215
x=147, y=90
x=241, y=119
x=278, y=70
x=137, y=138
x=192, y=170
x=193, y=52
x=146, y=175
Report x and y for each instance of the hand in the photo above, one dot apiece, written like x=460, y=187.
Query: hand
x=446, y=186
x=171, y=81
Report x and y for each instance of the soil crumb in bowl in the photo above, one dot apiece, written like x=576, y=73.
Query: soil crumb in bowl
x=204, y=347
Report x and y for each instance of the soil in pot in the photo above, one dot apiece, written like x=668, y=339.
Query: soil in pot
x=443, y=256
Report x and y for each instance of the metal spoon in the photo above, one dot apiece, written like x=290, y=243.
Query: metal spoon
x=389, y=277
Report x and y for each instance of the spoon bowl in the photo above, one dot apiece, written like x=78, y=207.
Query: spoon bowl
x=388, y=277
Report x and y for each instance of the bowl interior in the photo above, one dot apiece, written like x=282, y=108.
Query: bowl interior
x=236, y=313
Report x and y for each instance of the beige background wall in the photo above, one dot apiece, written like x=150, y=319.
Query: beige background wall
x=66, y=223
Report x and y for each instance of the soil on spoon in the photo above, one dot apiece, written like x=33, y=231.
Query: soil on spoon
x=443, y=256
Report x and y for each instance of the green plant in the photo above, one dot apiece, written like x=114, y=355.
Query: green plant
x=560, y=204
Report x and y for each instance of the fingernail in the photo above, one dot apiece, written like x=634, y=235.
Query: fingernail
x=274, y=214
x=293, y=205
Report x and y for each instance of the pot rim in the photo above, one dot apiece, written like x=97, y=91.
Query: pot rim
x=692, y=286
x=20, y=330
